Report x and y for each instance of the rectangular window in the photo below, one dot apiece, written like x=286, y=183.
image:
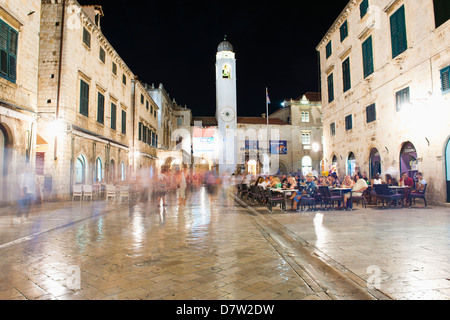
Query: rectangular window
x=333, y=129
x=124, y=79
x=144, y=134
x=8, y=52
x=367, y=57
x=330, y=88
x=147, y=105
x=113, y=116
x=179, y=122
x=102, y=55
x=371, y=113
x=349, y=122
x=402, y=99
x=305, y=116
x=84, y=98
x=114, y=68
x=445, y=80
x=364, y=8
x=346, y=75
x=86, y=37
x=306, y=138
x=142, y=99
x=344, y=30
x=141, y=125
x=441, y=12
x=101, y=108
x=329, y=49
x=398, y=32
x=124, y=122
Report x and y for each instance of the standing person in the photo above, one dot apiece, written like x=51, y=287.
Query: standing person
x=162, y=188
x=27, y=194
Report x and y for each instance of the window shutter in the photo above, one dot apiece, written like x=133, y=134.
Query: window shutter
x=124, y=122
x=398, y=32
x=101, y=108
x=445, y=79
x=330, y=88
x=346, y=74
x=113, y=116
x=367, y=57
x=84, y=98
x=364, y=7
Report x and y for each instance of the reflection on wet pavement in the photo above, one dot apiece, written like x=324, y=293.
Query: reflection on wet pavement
x=204, y=250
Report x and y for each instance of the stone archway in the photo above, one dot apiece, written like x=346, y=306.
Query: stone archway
x=6, y=147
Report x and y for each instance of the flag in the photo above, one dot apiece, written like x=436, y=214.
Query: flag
x=267, y=94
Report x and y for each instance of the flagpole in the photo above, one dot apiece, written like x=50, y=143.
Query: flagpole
x=267, y=118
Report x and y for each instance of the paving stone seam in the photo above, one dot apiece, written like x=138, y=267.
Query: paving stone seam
x=312, y=274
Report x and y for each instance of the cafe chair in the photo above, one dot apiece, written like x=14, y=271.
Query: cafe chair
x=309, y=201
x=87, y=192
x=77, y=192
x=385, y=195
x=273, y=200
x=418, y=195
x=328, y=198
x=361, y=199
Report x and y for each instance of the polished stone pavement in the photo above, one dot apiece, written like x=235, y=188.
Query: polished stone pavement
x=220, y=248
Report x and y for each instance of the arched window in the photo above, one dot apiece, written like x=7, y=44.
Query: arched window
x=80, y=170
x=375, y=162
x=123, y=171
x=306, y=165
x=98, y=170
x=112, y=171
x=351, y=164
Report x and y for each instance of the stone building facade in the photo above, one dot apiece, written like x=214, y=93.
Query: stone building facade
x=384, y=73
x=19, y=54
x=305, y=116
x=89, y=103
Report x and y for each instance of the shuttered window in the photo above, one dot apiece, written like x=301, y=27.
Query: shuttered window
x=445, y=80
x=84, y=98
x=371, y=113
x=329, y=49
x=8, y=52
x=113, y=116
x=101, y=108
x=346, y=75
x=102, y=55
x=86, y=37
x=124, y=122
x=349, y=122
x=367, y=57
x=398, y=32
x=441, y=11
x=344, y=30
x=333, y=129
x=330, y=88
x=364, y=7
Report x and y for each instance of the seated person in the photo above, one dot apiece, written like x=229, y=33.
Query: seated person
x=357, y=190
x=348, y=182
x=308, y=191
x=406, y=181
x=420, y=184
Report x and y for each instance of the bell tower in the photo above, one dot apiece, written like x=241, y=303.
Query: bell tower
x=226, y=106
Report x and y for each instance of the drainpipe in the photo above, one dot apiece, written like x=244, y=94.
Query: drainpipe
x=58, y=96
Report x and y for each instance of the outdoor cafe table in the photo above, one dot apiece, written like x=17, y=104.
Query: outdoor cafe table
x=285, y=192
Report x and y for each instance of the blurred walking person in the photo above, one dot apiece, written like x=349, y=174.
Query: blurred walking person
x=162, y=188
x=27, y=194
x=182, y=185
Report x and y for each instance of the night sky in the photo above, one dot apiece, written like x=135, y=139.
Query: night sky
x=174, y=42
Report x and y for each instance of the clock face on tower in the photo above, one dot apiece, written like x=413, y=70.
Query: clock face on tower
x=227, y=114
